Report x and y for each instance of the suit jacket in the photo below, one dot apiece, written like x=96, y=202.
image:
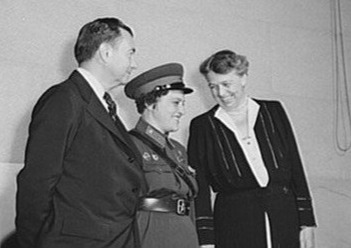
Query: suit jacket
x=82, y=178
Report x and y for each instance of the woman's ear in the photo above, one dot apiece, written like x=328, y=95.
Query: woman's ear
x=243, y=80
x=150, y=106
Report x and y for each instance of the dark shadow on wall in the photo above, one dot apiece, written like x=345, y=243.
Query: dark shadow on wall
x=19, y=140
x=10, y=241
x=202, y=90
x=67, y=60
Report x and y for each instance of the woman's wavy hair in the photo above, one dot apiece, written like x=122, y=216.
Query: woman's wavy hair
x=225, y=61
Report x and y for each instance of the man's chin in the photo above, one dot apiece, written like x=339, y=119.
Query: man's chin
x=120, y=83
x=125, y=79
x=175, y=129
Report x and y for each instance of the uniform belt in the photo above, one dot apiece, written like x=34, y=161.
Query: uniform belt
x=168, y=204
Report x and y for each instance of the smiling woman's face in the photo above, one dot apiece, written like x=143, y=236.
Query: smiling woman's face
x=227, y=89
x=165, y=114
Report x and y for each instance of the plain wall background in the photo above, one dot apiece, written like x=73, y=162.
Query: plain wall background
x=288, y=44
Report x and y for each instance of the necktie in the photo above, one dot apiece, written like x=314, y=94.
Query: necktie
x=112, y=111
x=112, y=107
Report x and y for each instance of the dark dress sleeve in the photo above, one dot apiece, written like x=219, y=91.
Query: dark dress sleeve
x=299, y=182
x=203, y=209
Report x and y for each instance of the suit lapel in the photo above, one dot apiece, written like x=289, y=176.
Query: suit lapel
x=100, y=114
x=97, y=110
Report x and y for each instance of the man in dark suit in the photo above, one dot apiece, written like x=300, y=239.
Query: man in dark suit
x=82, y=178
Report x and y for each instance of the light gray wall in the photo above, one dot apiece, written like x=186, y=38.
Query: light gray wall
x=288, y=44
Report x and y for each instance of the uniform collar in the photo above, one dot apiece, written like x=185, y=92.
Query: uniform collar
x=156, y=136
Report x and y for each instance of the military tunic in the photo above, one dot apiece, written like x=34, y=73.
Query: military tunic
x=159, y=229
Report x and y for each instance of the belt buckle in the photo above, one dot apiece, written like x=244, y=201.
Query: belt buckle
x=182, y=208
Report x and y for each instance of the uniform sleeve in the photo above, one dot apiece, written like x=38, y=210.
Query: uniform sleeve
x=203, y=210
x=51, y=124
x=299, y=181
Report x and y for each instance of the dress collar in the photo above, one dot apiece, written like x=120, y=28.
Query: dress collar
x=253, y=108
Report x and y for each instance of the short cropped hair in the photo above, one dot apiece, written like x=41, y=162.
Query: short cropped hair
x=94, y=33
x=148, y=99
x=225, y=61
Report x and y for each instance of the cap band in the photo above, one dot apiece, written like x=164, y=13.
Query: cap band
x=158, y=82
x=171, y=86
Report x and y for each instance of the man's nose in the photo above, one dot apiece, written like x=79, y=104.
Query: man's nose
x=181, y=109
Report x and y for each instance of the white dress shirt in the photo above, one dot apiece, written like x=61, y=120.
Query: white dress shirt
x=94, y=84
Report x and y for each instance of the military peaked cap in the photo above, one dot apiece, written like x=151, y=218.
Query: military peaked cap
x=165, y=77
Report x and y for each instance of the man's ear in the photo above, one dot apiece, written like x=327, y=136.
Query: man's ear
x=104, y=52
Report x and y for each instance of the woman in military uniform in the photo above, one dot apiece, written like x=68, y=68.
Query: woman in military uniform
x=165, y=212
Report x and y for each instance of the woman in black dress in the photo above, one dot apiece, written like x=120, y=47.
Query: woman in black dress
x=244, y=150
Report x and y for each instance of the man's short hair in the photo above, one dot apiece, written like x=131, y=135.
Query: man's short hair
x=94, y=33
